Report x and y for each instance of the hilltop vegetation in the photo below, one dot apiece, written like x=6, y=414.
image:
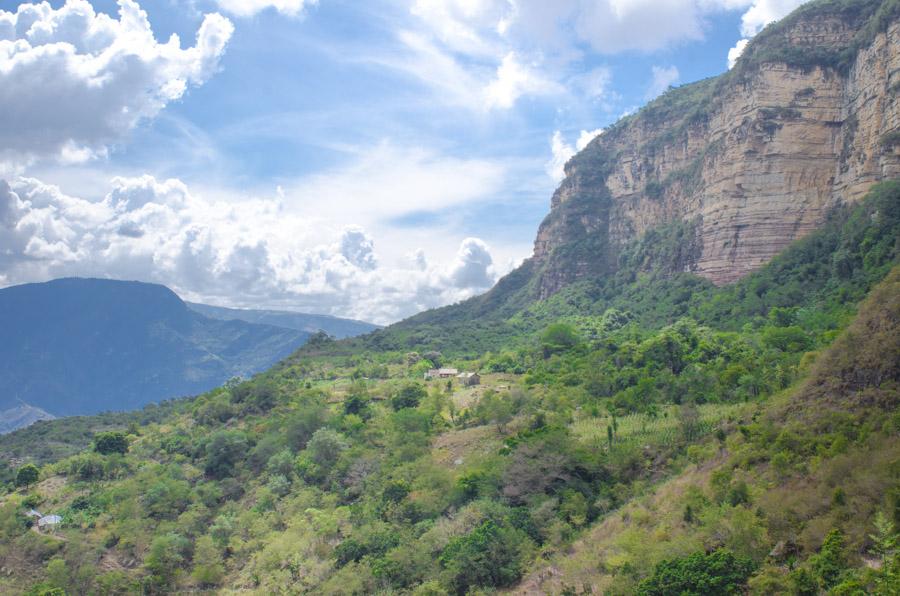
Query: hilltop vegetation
x=717, y=437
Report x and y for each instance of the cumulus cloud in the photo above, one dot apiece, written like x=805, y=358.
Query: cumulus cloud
x=248, y=8
x=561, y=151
x=74, y=81
x=763, y=12
x=736, y=52
x=473, y=267
x=515, y=80
x=759, y=14
x=358, y=248
x=248, y=253
x=663, y=78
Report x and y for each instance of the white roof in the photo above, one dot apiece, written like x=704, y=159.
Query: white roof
x=34, y=513
x=49, y=520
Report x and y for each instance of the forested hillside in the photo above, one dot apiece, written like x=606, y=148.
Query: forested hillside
x=736, y=436
x=691, y=388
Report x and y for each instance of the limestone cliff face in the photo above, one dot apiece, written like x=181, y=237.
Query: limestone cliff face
x=756, y=157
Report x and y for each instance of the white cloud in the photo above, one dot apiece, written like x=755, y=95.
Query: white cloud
x=249, y=8
x=473, y=267
x=663, y=78
x=561, y=151
x=736, y=52
x=359, y=248
x=515, y=80
x=763, y=12
x=73, y=81
x=253, y=252
x=530, y=45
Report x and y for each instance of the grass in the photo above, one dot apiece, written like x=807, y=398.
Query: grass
x=663, y=428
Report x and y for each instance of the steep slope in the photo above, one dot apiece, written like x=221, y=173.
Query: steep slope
x=334, y=326
x=320, y=476
x=727, y=171
x=752, y=159
x=21, y=416
x=79, y=346
x=822, y=457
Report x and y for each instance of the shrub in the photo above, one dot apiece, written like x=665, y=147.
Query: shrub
x=489, y=556
x=223, y=452
x=111, y=442
x=717, y=573
x=27, y=475
x=409, y=396
x=557, y=338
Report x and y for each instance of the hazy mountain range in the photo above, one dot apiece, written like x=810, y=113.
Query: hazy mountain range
x=80, y=346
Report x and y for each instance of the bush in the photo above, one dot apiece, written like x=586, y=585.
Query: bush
x=490, y=556
x=409, y=396
x=223, y=452
x=558, y=338
x=27, y=475
x=700, y=574
x=111, y=442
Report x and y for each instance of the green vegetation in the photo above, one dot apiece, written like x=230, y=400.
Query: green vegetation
x=716, y=574
x=111, y=442
x=595, y=406
x=866, y=17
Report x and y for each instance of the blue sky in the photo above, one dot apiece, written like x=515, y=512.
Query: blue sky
x=366, y=159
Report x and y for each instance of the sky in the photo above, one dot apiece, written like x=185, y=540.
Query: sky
x=361, y=159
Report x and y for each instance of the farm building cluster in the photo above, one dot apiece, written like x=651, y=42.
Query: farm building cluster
x=468, y=379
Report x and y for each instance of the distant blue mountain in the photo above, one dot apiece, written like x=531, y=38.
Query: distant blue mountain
x=81, y=346
x=333, y=326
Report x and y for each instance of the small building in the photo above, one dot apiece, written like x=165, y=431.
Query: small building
x=49, y=522
x=469, y=379
x=441, y=373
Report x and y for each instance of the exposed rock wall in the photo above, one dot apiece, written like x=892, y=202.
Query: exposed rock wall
x=757, y=156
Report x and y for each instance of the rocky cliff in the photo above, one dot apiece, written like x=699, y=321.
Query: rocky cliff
x=809, y=118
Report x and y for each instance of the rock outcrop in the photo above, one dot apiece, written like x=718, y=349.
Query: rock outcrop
x=807, y=119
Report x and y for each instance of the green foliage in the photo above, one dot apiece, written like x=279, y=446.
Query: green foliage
x=107, y=443
x=224, y=451
x=408, y=396
x=719, y=573
x=27, y=475
x=831, y=561
x=489, y=556
x=558, y=338
x=166, y=560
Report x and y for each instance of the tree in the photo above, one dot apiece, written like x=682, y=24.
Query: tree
x=326, y=447
x=489, y=556
x=302, y=424
x=557, y=338
x=689, y=419
x=719, y=573
x=27, y=475
x=831, y=561
x=166, y=558
x=495, y=409
x=225, y=449
x=208, y=568
x=409, y=396
x=111, y=442
x=58, y=573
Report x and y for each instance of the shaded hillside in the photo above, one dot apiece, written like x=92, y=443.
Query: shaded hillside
x=334, y=326
x=79, y=346
x=21, y=416
x=814, y=475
